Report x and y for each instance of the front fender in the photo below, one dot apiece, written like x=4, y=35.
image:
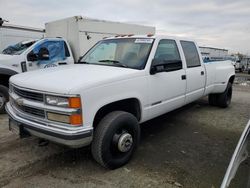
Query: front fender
x=7, y=71
x=94, y=99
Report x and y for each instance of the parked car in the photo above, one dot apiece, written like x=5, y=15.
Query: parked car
x=238, y=170
x=118, y=84
x=239, y=66
x=78, y=35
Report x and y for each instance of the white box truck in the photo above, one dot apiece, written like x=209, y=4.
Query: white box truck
x=66, y=40
x=82, y=33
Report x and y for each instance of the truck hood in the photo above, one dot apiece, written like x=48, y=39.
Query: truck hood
x=69, y=79
x=4, y=58
x=9, y=62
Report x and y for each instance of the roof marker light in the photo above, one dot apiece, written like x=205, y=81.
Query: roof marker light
x=150, y=35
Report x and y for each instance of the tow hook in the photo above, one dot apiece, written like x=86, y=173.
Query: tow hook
x=43, y=142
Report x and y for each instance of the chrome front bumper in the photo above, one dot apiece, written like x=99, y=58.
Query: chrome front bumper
x=69, y=137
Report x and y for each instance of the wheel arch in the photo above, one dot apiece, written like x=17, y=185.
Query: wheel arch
x=5, y=74
x=231, y=79
x=131, y=105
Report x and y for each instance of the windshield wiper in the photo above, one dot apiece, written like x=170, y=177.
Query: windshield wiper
x=114, y=61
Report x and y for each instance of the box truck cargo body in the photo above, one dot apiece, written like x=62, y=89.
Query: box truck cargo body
x=82, y=33
x=12, y=34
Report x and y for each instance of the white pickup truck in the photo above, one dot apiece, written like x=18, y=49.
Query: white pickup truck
x=119, y=83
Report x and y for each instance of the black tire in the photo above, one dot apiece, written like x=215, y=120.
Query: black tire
x=108, y=133
x=249, y=71
x=4, y=97
x=212, y=99
x=224, y=99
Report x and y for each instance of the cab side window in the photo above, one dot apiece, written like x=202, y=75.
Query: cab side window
x=56, y=51
x=167, y=50
x=67, y=54
x=191, y=54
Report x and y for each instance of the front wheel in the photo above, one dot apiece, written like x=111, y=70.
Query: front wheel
x=115, y=139
x=3, y=98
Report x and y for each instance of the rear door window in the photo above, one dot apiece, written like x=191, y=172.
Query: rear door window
x=191, y=54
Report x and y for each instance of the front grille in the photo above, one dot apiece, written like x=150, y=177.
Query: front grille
x=33, y=111
x=31, y=96
x=29, y=110
x=28, y=94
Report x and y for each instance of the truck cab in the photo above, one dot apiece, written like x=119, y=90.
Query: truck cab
x=31, y=55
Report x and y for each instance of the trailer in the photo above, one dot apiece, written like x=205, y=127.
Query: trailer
x=12, y=34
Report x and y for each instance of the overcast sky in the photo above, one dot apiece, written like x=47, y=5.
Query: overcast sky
x=217, y=23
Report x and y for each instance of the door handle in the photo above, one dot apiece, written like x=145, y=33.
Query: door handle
x=202, y=73
x=183, y=77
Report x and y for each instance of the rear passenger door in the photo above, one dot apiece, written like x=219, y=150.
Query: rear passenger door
x=195, y=72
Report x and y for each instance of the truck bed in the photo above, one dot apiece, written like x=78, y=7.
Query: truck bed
x=215, y=82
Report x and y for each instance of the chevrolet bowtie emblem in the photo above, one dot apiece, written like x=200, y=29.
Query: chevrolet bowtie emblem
x=19, y=101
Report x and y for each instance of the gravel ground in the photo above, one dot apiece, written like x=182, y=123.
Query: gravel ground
x=190, y=147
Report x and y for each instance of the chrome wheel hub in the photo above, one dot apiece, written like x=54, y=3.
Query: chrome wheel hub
x=125, y=142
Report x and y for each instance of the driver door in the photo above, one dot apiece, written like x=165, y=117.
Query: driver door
x=57, y=55
x=167, y=89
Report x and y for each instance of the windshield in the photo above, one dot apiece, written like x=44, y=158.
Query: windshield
x=18, y=48
x=127, y=52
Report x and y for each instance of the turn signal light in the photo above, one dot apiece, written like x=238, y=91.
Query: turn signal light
x=74, y=102
x=76, y=119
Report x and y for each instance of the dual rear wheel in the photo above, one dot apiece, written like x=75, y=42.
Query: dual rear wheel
x=222, y=99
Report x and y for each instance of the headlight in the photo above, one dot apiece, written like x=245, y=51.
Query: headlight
x=57, y=101
x=68, y=102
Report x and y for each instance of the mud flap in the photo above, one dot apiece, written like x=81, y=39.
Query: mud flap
x=18, y=129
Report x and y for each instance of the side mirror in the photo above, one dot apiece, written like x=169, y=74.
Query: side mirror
x=43, y=54
x=32, y=56
x=162, y=65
